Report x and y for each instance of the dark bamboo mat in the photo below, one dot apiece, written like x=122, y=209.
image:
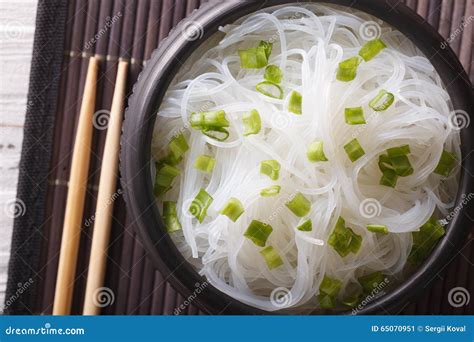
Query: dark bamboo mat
x=136, y=30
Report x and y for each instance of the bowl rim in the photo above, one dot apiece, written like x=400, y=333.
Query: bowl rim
x=140, y=119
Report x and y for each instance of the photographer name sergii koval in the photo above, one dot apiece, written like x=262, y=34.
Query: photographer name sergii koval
x=445, y=328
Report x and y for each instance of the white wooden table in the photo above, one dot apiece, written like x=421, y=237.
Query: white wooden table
x=17, y=24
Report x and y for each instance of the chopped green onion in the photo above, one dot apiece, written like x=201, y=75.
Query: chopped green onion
x=258, y=232
x=398, y=151
x=252, y=122
x=170, y=217
x=271, y=256
x=170, y=160
x=353, y=298
x=354, y=150
x=385, y=163
x=270, y=191
x=178, y=146
x=315, y=152
x=270, y=89
x=205, y=163
x=347, y=70
x=164, y=177
x=446, y=163
x=294, y=103
x=208, y=120
x=330, y=286
x=354, y=116
x=328, y=290
x=233, y=209
x=273, y=74
x=401, y=166
x=389, y=178
x=326, y=302
x=299, y=205
x=387, y=102
x=371, y=281
x=200, y=204
x=343, y=239
x=424, y=240
x=271, y=168
x=377, y=228
x=219, y=134
x=255, y=58
x=306, y=226
x=371, y=49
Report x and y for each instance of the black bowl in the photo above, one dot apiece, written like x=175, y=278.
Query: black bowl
x=140, y=119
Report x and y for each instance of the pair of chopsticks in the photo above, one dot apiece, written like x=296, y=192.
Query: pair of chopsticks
x=77, y=190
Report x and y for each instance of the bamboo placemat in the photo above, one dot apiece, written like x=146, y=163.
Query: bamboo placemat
x=131, y=30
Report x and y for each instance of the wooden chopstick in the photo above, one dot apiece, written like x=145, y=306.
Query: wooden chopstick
x=106, y=197
x=76, y=195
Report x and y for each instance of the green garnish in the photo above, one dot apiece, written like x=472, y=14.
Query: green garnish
x=258, y=232
x=424, y=240
x=252, y=122
x=389, y=178
x=394, y=164
x=371, y=281
x=270, y=89
x=387, y=102
x=273, y=74
x=233, y=209
x=270, y=191
x=306, y=226
x=343, y=239
x=354, y=150
x=347, y=70
x=299, y=205
x=212, y=124
x=371, y=49
x=200, y=204
x=271, y=168
x=219, y=134
x=354, y=116
x=205, y=163
x=377, y=228
x=315, y=152
x=294, y=103
x=164, y=177
x=328, y=290
x=271, y=256
x=446, y=163
x=178, y=147
x=255, y=58
x=170, y=217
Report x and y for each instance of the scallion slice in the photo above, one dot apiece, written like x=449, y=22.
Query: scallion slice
x=258, y=232
x=377, y=228
x=401, y=166
x=178, y=146
x=343, y=239
x=294, y=103
x=219, y=134
x=424, y=240
x=205, y=163
x=371, y=49
x=164, y=178
x=377, y=105
x=273, y=74
x=354, y=150
x=270, y=191
x=299, y=205
x=271, y=168
x=330, y=286
x=255, y=58
x=371, y=281
x=347, y=70
x=398, y=151
x=354, y=116
x=200, y=204
x=306, y=226
x=233, y=209
x=270, y=89
x=272, y=258
x=252, y=122
x=208, y=120
x=356, y=241
x=170, y=217
x=315, y=152
x=446, y=163
x=326, y=302
x=389, y=178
